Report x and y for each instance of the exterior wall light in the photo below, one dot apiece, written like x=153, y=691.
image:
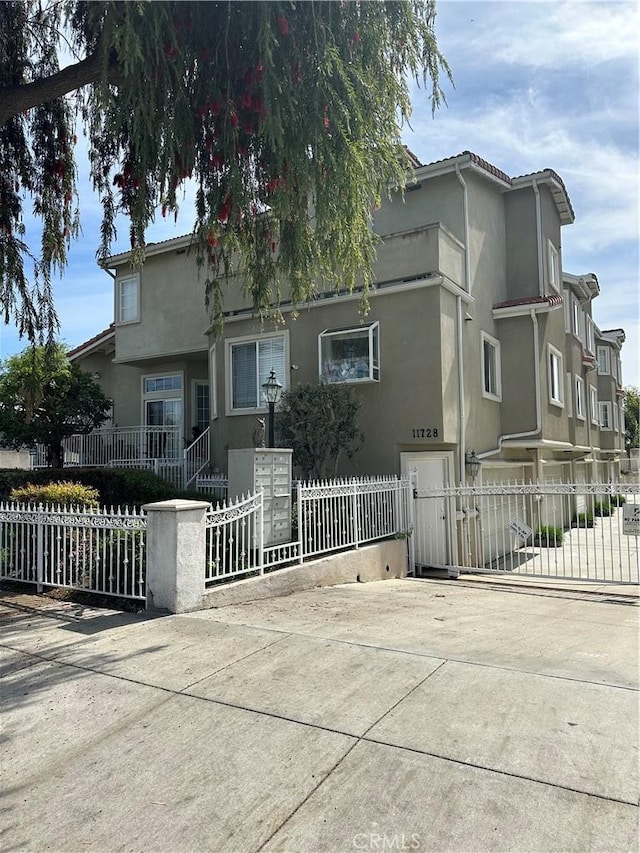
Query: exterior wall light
x=271, y=390
x=472, y=464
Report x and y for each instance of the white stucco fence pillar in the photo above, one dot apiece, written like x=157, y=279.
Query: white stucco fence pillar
x=176, y=554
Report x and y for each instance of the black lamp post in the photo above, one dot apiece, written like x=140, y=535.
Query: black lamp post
x=271, y=390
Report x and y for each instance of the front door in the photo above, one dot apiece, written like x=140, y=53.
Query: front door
x=163, y=413
x=432, y=535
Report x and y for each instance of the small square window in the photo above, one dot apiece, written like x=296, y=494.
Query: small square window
x=491, y=368
x=128, y=299
x=350, y=355
x=555, y=376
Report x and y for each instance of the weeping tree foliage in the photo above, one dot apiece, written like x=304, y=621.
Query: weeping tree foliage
x=631, y=405
x=286, y=115
x=44, y=398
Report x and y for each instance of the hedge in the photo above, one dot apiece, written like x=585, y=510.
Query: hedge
x=115, y=486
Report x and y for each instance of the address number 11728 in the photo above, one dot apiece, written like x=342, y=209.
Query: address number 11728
x=425, y=432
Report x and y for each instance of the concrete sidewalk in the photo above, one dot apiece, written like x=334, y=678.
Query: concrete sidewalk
x=399, y=715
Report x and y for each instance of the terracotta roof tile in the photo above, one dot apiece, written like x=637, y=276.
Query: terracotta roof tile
x=94, y=340
x=554, y=299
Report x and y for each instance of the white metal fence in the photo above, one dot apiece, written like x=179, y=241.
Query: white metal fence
x=331, y=516
x=95, y=550
x=552, y=530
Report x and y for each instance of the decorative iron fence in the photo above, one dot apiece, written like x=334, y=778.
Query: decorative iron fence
x=96, y=550
x=561, y=530
x=331, y=516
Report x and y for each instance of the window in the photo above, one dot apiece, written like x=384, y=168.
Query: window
x=213, y=383
x=201, y=405
x=615, y=417
x=250, y=362
x=491, y=368
x=555, y=376
x=568, y=394
x=553, y=260
x=128, y=307
x=576, y=318
x=579, y=386
x=590, y=335
x=154, y=384
x=350, y=355
x=605, y=415
x=603, y=360
x=593, y=404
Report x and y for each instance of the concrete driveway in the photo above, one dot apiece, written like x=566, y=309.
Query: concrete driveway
x=399, y=715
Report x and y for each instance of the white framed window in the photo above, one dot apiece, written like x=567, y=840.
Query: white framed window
x=605, y=415
x=576, y=318
x=162, y=410
x=590, y=342
x=593, y=404
x=579, y=391
x=555, y=376
x=623, y=423
x=128, y=299
x=603, y=360
x=616, y=423
x=350, y=354
x=168, y=382
x=491, y=367
x=249, y=362
x=553, y=266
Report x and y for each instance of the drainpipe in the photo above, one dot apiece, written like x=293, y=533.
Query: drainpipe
x=536, y=379
x=539, y=240
x=462, y=425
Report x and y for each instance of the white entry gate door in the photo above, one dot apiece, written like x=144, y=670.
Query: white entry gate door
x=433, y=531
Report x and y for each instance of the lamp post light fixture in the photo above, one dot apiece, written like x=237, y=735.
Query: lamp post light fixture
x=271, y=390
x=472, y=464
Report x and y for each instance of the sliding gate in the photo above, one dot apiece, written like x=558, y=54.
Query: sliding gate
x=580, y=531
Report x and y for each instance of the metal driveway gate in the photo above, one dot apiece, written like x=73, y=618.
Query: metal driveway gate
x=580, y=531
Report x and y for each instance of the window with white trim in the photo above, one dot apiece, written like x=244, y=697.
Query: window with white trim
x=616, y=424
x=579, y=389
x=213, y=383
x=555, y=376
x=593, y=404
x=576, y=318
x=200, y=404
x=350, y=354
x=491, y=367
x=603, y=360
x=623, y=423
x=162, y=398
x=128, y=299
x=605, y=416
x=553, y=266
x=249, y=363
x=590, y=343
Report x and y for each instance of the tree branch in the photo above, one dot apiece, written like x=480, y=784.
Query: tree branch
x=17, y=99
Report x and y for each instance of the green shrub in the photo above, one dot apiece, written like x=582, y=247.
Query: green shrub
x=60, y=494
x=618, y=500
x=115, y=486
x=602, y=508
x=548, y=537
x=582, y=519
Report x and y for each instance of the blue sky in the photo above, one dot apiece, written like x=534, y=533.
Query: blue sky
x=543, y=84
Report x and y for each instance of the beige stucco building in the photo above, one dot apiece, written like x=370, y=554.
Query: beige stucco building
x=476, y=340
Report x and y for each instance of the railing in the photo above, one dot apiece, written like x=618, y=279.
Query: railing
x=332, y=516
x=560, y=530
x=96, y=550
x=213, y=486
x=196, y=458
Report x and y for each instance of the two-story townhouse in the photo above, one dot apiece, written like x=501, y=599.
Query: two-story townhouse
x=465, y=347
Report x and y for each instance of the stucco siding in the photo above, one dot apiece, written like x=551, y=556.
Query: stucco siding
x=521, y=244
